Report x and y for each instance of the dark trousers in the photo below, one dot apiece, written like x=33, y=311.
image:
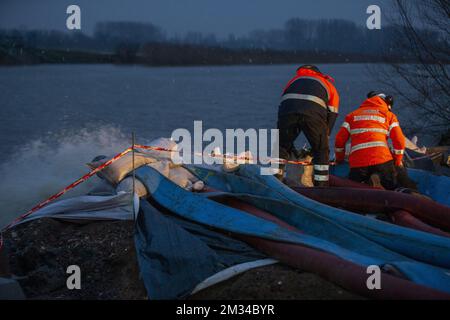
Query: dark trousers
x=386, y=171
x=316, y=132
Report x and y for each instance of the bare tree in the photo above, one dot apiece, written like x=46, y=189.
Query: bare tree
x=423, y=38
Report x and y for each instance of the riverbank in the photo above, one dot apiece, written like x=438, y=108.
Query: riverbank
x=164, y=54
x=41, y=250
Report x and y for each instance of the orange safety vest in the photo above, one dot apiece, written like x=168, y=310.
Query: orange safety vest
x=329, y=102
x=369, y=128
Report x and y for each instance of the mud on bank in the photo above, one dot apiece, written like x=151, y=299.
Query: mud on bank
x=40, y=252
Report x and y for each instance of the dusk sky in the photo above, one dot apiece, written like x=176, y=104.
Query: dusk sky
x=221, y=17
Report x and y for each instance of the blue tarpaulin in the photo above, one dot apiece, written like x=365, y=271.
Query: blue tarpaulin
x=175, y=255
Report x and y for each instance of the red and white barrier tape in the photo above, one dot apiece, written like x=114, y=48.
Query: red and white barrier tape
x=231, y=157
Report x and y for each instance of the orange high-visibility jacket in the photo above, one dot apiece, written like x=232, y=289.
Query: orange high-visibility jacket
x=315, y=87
x=369, y=128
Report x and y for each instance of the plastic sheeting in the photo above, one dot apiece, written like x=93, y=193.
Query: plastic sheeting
x=432, y=185
x=232, y=272
x=176, y=255
x=435, y=186
x=114, y=207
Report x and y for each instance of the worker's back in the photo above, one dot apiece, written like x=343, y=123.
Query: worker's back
x=312, y=93
x=369, y=128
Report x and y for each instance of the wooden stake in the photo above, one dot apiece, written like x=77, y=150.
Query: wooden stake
x=133, y=140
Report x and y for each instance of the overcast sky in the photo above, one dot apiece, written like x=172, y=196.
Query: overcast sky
x=221, y=17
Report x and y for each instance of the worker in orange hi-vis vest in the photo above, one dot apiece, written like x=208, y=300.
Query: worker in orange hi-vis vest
x=309, y=104
x=369, y=127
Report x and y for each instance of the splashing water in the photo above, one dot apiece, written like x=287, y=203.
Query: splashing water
x=43, y=167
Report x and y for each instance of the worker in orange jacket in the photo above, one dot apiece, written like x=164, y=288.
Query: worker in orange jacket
x=309, y=104
x=369, y=128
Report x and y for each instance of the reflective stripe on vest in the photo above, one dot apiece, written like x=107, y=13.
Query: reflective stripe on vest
x=398, y=152
x=313, y=98
x=333, y=109
x=339, y=149
x=321, y=167
x=368, y=145
x=373, y=118
x=321, y=177
x=364, y=130
x=346, y=125
x=392, y=126
x=308, y=97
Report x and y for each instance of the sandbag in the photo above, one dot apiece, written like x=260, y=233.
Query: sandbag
x=126, y=185
x=300, y=176
x=232, y=165
x=163, y=143
x=162, y=167
x=175, y=173
x=182, y=177
x=118, y=170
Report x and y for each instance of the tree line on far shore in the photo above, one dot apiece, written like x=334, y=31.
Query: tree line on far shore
x=135, y=42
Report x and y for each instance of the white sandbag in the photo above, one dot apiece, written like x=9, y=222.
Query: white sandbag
x=198, y=186
x=182, y=177
x=176, y=173
x=162, y=167
x=299, y=176
x=119, y=169
x=232, y=165
x=126, y=185
x=164, y=143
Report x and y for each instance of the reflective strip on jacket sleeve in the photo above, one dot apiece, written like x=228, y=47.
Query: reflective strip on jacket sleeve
x=346, y=125
x=392, y=126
